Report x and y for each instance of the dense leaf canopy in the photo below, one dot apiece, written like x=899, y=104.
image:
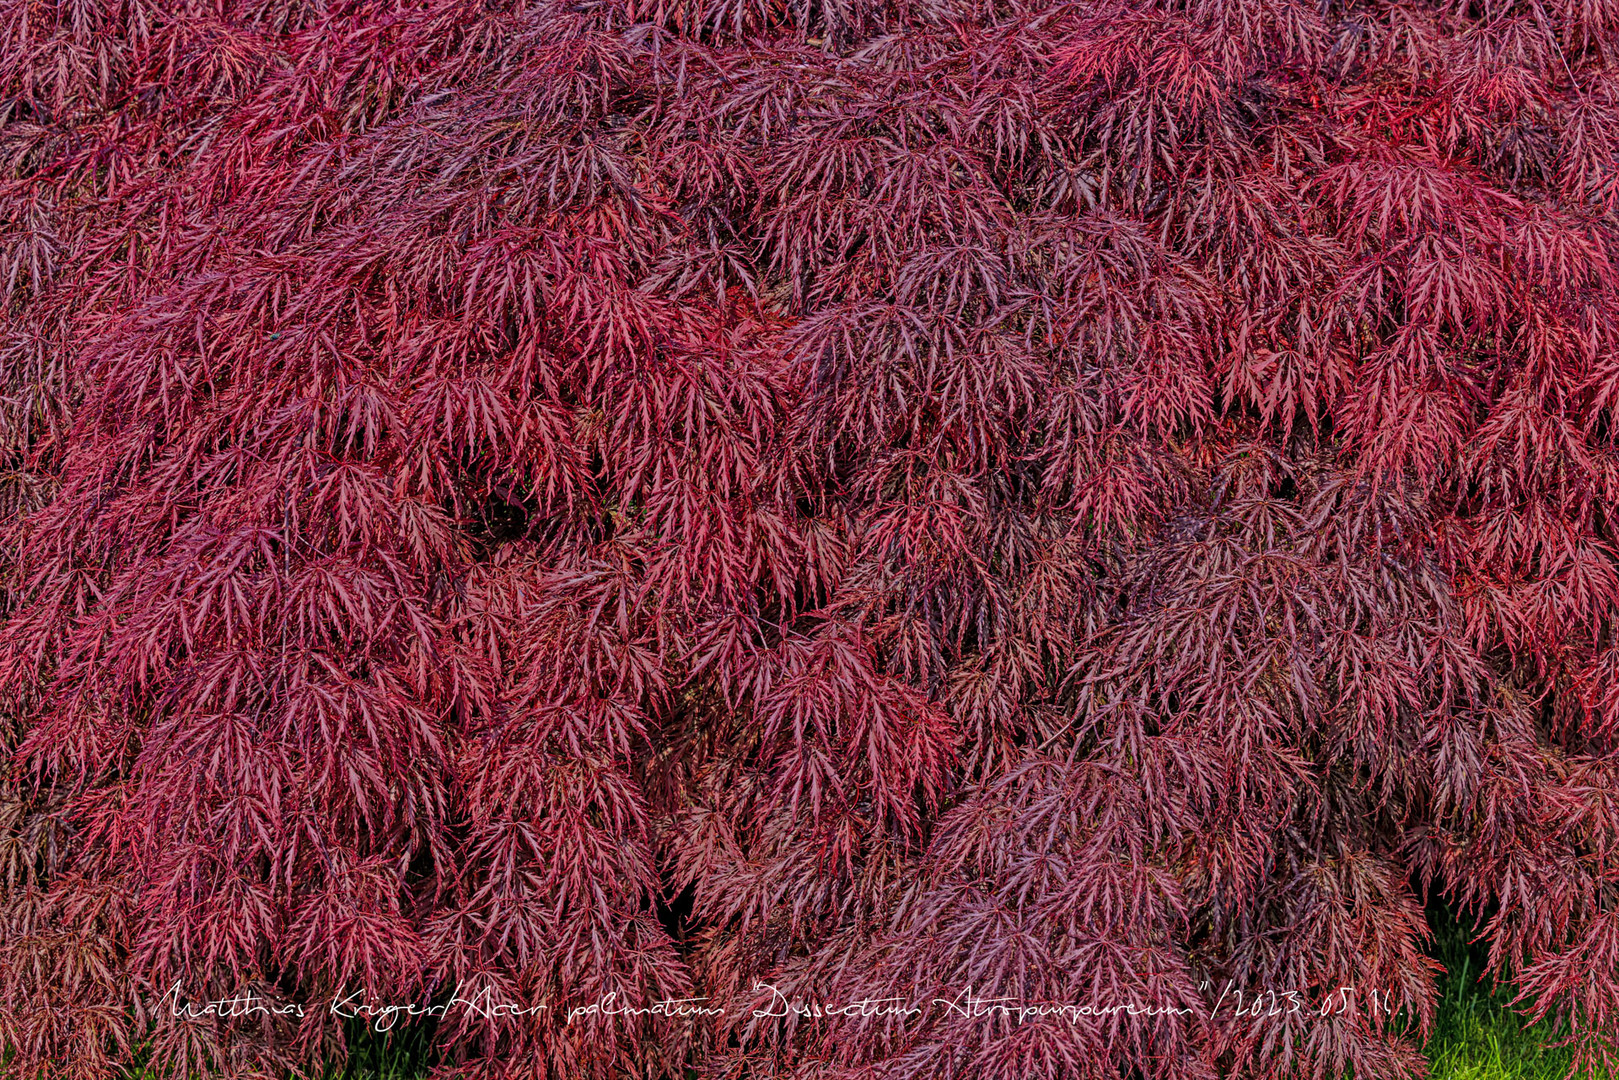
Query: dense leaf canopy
x=1083, y=501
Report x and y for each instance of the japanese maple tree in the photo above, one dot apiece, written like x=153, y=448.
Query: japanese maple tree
x=1085, y=502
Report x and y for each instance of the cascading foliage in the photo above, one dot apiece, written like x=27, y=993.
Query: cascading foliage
x=1082, y=501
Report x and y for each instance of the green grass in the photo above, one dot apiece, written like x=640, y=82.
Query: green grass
x=399, y=1055
x=1477, y=1035
x=1476, y=1039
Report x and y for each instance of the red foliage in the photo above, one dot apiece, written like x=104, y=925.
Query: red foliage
x=1077, y=500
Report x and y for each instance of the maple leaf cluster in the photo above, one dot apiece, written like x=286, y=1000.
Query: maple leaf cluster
x=1085, y=501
